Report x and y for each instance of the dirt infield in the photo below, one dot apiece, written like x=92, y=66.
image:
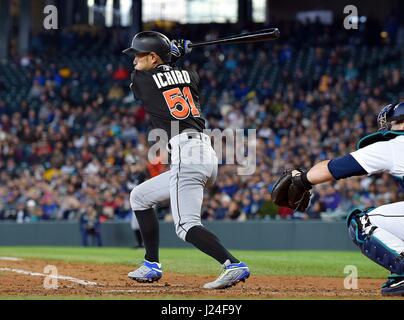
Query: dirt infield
x=26, y=278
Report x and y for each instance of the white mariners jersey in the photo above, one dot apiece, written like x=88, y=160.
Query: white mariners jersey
x=382, y=156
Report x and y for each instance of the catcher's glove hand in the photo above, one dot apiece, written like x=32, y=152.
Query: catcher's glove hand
x=291, y=191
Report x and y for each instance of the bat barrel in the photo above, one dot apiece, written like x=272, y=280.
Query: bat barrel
x=256, y=36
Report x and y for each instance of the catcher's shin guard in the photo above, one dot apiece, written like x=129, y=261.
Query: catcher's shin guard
x=377, y=244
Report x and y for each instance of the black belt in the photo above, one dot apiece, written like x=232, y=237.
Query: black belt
x=194, y=135
x=190, y=135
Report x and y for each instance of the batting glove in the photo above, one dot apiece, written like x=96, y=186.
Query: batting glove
x=180, y=47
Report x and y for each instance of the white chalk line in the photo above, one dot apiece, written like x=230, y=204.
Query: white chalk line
x=10, y=259
x=59, y=277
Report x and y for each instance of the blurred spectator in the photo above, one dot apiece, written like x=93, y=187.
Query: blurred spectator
x=351, y=73
x=71, y=133
x=115, y=93
x=121, y=73
x=90, y=227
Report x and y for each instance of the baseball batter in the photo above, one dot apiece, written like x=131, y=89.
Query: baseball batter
x=171, y=98
x=378, y=232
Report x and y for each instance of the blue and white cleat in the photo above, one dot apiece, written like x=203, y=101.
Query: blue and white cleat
x=394, y=286
x=148, y=272
x=232, y=274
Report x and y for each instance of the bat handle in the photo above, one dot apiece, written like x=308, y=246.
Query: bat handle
x=191, y=45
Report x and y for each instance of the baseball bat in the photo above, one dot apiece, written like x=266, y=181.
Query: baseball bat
x=256, y=36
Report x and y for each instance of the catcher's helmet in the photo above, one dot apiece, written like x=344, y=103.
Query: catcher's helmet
x=151, y=41
x=390, y=113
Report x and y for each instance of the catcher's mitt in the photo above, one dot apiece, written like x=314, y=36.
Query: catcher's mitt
x=290, y=191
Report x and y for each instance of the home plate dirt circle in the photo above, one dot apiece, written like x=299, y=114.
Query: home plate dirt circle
x=108, y=280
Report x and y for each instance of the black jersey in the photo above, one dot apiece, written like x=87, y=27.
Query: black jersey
x=170, y=94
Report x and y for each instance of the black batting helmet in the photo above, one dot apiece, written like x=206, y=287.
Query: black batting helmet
x=151, y=41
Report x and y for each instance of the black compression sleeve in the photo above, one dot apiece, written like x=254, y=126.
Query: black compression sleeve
x=344, y=167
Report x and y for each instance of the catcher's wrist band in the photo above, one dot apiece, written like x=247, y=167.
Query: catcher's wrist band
x=306, y=183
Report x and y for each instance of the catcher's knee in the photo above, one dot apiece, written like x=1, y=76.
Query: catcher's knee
x=356, y=227
x=370, y=239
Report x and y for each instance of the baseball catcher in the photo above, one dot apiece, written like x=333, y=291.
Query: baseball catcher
x=378, y=232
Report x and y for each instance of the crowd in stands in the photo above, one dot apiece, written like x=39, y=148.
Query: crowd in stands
x=73, y=140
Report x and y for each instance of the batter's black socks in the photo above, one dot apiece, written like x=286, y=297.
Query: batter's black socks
x=208, y=243
x=149, y=228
